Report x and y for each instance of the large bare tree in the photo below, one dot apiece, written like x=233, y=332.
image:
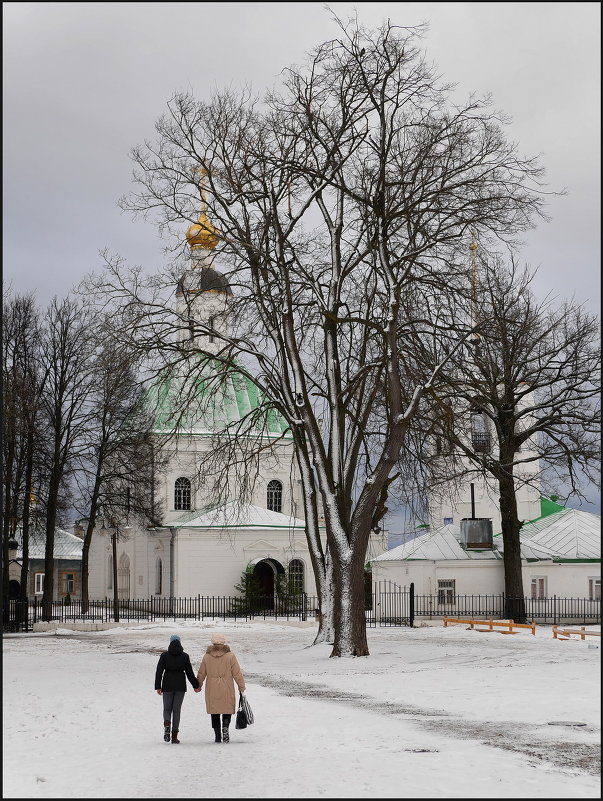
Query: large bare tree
x=532, y=372
x=341, y=202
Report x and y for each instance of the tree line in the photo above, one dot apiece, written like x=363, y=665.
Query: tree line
x=75, y=431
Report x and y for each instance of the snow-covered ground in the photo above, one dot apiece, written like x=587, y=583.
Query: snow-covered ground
x=433, y=713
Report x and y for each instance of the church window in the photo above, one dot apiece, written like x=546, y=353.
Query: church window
x=296, y=577
x=594, y=588
x=38, y=583
x=158, y=577
x=480, y=436
x=110, y=573
x=182, y=494
x=123, y=577
x=274, y=496
x=210, y=325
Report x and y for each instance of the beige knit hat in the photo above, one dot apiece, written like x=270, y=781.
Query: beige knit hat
x=218, y=639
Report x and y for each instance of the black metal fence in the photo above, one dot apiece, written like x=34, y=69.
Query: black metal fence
x=399, y=607
x=544, y=610
x=21, y=615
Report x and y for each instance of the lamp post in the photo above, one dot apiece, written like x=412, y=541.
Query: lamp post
x=115, y=589
x=113, y=528
x=173, y=532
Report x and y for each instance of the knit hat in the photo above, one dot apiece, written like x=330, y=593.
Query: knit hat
x=175, y=637
x=218, y=639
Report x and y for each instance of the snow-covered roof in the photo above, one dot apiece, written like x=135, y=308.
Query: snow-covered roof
x=444, y=544
x=234, y=515
x=66, y=545
x=571, y=534
x=440, y=544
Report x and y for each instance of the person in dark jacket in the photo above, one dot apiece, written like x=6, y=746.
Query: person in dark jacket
x=173, y=668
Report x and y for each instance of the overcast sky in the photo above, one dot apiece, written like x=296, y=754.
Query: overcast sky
x=85, y=82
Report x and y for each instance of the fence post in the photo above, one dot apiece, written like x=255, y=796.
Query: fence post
x=555, y=609
x=411, y=598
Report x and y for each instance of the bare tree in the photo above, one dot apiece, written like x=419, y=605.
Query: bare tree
x=116, y=458
x=532, y=374
x=22, y=385
x=66, y=351
x=340, y=205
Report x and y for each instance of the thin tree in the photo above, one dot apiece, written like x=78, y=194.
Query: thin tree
x=66, y=351
x=22, y=385
x=340, y=205
x=116, y=456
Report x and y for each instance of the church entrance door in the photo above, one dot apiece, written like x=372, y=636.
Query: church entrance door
x=266, y=571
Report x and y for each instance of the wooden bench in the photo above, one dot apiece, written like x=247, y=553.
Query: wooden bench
x=581, y=631
x=501, y=626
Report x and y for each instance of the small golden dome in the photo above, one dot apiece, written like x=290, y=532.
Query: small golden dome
x=202, y=235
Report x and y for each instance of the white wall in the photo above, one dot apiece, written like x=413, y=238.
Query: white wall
x=564, y=579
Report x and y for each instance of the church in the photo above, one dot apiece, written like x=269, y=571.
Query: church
x=211, y=532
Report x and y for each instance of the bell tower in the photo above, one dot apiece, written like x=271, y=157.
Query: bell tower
x=203, y=292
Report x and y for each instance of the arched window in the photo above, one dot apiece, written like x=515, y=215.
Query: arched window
x=110, y=573
x=296, y=577
x=480, y=435
x=274, y=496
x=158, y=577
x=123, y=576
x=182, y=494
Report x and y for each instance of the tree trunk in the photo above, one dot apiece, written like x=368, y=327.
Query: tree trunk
x=326, y=625
x=515, y=602
x=26, y=515
x=88, y=540
x=349, y=612
x=51, y=517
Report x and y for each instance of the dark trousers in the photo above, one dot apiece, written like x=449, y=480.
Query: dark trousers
x=172, y=704
x=215, y=721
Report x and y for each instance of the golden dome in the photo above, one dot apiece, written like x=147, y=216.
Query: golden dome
x=202, y=235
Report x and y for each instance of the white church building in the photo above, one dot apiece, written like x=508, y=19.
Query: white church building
x=209, y=536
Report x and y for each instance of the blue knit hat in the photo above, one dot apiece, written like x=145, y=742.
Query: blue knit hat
x=175, y=637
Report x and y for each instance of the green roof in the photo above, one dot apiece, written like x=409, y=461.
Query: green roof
x=198, y=397
x=548, y=507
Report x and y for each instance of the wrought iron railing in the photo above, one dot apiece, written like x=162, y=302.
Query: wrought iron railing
x=395, y=607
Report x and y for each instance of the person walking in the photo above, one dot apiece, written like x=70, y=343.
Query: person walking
x=219, y=670
x=173, y=668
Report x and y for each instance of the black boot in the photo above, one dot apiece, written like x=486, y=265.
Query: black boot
x=175, y=736
x=166, y=730
x=218, y=735
x=225, y=737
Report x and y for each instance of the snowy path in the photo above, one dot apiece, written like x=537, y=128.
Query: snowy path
x=432, y=713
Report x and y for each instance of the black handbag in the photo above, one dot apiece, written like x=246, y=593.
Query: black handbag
x=244, y=713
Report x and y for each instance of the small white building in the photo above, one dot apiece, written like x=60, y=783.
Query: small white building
x=561, y=556
x=67, y=565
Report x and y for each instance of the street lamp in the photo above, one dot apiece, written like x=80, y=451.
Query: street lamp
x=114, y=551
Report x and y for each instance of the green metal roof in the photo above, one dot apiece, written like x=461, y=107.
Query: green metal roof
x=198, y=398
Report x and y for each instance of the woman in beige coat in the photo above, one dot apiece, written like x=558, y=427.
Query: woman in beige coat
x=219, y=669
